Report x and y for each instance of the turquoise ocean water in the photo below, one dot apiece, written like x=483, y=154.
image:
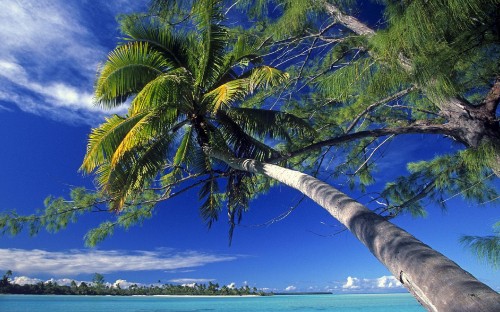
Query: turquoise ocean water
x=338, y=303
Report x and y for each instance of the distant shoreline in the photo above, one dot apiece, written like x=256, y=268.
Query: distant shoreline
x=198, y=296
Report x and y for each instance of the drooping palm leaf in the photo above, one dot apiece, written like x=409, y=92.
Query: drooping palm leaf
x=269, y=123
x=136, y=169
x=240, y=142
x=158, y=121
x=182, y=156
x=239, y=196
x=104, y=140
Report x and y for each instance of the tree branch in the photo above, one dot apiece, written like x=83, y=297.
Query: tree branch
x=493, y=98
x=383, y=101
x=348, y=21
x=414, y=128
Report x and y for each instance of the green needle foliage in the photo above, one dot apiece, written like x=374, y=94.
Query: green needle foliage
x=485, y=247
x=428, y=67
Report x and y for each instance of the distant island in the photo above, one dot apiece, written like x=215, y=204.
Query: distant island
x=98, y=287
x=300, y=293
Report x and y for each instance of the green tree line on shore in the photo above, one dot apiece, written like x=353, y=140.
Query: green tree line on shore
x=98, y=287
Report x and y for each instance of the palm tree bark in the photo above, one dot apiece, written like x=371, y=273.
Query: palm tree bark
x=438, y=283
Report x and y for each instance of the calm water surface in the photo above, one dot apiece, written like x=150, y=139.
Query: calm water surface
x=338, y=303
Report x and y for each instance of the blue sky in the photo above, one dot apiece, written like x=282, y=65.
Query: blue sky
x=48, y=59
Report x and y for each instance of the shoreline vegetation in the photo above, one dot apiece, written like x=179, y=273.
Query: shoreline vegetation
x=98, y=287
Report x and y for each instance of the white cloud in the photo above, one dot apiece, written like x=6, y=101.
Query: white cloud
x=388, y=282
x=186, y=281
x=291, y=288
x=351, y=283
x=383, y=283
x=57, y=100
x=75, y=262
x=232, y=285
x=5, y=108
x=178, y=271
x=45, y=29
x=24, y=280
x=192, y=285
x=124, y=284
x=49, y=58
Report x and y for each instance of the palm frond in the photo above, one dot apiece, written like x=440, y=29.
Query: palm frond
x=159, y=36
x=226, y=94
x=240, y=142
x=172, y=89
x=243, y=54
x=208, y=16
x=104, y=140
x=269, y=123
x=159, y=121
x=239, y=195
x=266, y=77
x=128, y=69
x=183, y=156
x=136, y=169
x=212, y=205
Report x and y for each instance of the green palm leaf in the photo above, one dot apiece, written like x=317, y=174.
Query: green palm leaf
x=136, y=169
x=239, y=195
x=158, y=35
x=273, y=124
x=213, y=37
x=171, y=89
x=104, y=140
x=226, y=94
x=241, y=143
x=128, y=69
x=212, y=205
x=266, y=77
x=183, y=155
x=243, y=54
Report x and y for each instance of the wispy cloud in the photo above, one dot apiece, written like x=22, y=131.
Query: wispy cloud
x=74, y=262
x=179, y=271
x=191, y=280
x=49, y=58
x=291, y=288
x=5, y=108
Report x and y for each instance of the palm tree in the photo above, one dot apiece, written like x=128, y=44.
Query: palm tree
x=183, y=87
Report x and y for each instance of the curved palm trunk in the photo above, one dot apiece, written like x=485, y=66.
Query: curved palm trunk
x=438, y=283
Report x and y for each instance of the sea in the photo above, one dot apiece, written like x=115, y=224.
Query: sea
x=297, y=303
